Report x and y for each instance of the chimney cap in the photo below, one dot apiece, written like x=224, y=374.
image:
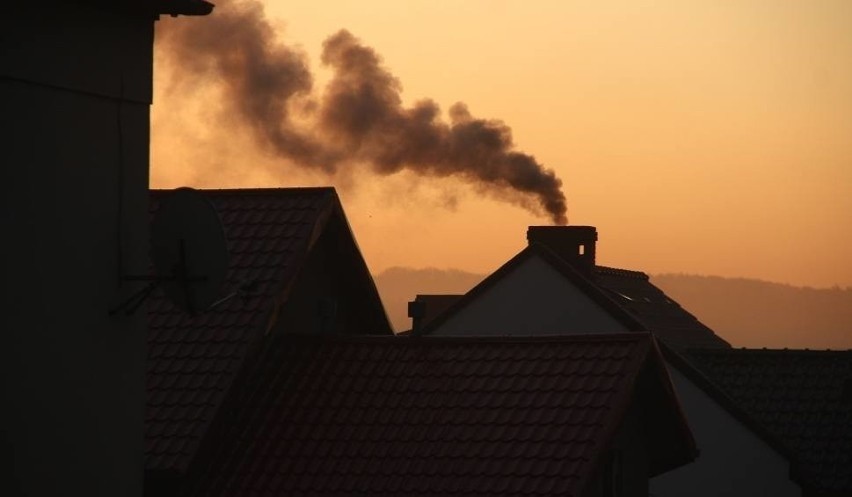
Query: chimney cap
x=572, y=231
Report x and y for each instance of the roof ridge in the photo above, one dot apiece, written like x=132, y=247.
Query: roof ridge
x=621, y=271
x=765, y=351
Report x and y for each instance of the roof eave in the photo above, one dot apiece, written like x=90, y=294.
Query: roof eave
x=176, y=8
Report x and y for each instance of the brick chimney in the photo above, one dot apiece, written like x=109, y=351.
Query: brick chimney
x=575, y=244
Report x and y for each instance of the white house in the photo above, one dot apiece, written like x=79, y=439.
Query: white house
x=553, y=287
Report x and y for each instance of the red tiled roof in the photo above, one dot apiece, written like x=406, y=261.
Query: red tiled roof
x=192, y=360
x=802, y=397
x=324, y=415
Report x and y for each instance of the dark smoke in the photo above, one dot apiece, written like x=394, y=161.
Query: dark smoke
x=236, y=48
x=360, y=118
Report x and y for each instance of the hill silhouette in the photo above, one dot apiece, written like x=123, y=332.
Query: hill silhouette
x=753, y=313
x=399, y=285
x=745, y=312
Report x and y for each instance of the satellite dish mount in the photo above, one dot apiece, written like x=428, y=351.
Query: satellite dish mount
x=189, y=254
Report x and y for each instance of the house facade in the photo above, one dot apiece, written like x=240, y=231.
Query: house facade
x=554, y=287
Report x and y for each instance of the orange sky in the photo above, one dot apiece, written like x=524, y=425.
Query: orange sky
x=708, y=137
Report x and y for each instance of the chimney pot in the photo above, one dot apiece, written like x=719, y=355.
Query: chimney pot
x=416, y=311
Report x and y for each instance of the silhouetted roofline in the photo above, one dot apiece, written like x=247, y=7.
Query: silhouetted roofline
x=766, y=351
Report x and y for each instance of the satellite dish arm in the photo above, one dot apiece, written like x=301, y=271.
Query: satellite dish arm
x=132, y=303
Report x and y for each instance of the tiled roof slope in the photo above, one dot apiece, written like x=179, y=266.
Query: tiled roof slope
x=432, y=416
x=802, y=397
x=633, y=291
x=193, y=359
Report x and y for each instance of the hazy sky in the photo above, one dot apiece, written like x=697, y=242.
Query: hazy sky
x=710, y=137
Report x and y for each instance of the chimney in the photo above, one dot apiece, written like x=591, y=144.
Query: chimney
x=416, y=311
x=575, y=244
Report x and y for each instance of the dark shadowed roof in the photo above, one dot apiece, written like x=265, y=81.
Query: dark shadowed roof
x=802, y=397
x=326, y=415
x=192, y=360
x=634, y=292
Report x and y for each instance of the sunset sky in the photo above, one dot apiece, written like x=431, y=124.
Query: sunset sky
x=706, y=137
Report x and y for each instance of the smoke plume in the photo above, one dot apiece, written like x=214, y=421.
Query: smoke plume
x=358, y=120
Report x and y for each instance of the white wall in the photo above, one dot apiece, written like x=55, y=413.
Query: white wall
x=733, y=460
x=74, y=93
x=532, y=289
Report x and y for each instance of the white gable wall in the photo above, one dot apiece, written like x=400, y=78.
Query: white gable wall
x=532, y=299
x=733, y=460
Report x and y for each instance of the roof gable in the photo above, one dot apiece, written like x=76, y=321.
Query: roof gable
x=434, y=416
x=565, y=270
x=628, y=296
x=193, y=360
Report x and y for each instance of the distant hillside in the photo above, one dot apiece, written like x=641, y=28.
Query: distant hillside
x=754, y=314
x=398, y=285
x=747, y=313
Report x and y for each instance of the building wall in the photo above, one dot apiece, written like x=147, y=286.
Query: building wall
x=75, y=88
x=733, y=460
x=532, y=289
x=631, y=452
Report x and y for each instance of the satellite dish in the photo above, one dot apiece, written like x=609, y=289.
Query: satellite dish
x=189, y=250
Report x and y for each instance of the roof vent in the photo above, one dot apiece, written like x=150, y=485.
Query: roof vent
x=575, y=244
